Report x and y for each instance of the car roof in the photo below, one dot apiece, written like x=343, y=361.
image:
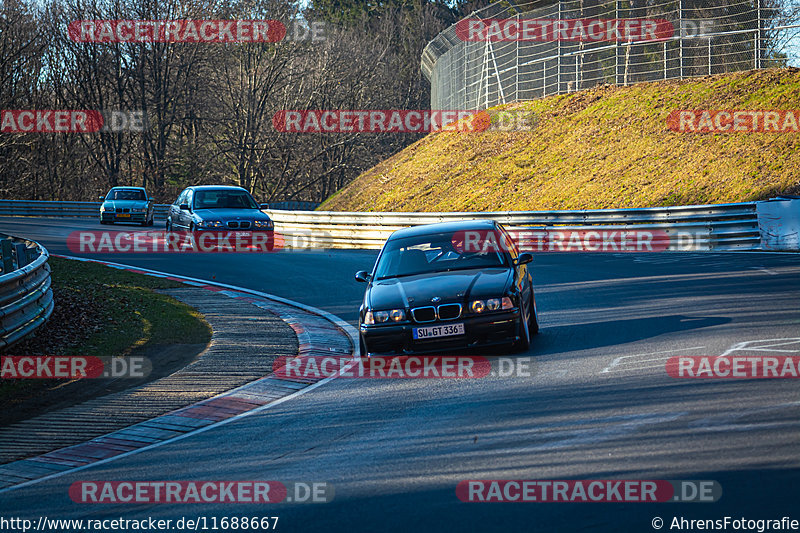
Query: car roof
x=444, y=227
x=127, y=187
x=207, y=187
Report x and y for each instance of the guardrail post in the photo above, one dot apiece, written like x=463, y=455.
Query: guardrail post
x=21, y=253
x=8, y=256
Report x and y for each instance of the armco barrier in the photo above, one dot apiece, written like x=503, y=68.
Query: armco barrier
x=39, y=208
x=26, y=299
x=722, y=227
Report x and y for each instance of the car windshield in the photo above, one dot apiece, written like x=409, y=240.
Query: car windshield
x=126, y=194
x=440, y=252
x=223, y=198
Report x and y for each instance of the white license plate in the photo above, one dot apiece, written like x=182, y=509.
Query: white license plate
x=431, y=332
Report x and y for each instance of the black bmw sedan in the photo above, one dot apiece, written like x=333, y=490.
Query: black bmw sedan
x=447, y=286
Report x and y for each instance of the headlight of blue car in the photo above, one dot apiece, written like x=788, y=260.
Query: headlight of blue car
x=210, y=224
x=262, y=224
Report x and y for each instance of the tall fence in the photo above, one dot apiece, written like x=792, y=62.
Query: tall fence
x=26, y=299
x=694, y=39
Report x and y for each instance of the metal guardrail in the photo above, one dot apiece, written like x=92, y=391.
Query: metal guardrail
x=26, y=299
x=40, y=208
x=293, y=205
x=722, y=226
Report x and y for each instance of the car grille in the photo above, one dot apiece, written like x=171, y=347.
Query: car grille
x=430, y=313
x=243, y=225
x=449, y=311
x=121, y=210
x=423, y=314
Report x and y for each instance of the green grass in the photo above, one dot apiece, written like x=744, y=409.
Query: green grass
x=133, y=314
x=607, y=147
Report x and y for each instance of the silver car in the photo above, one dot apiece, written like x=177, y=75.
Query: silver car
x=216, y=208
x=127, y=204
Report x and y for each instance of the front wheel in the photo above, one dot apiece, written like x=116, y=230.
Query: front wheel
x=534, y=320
x=524, y=341
x=362, y=345
x=169, y=225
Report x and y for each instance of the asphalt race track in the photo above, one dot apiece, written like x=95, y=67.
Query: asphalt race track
x=597, y=405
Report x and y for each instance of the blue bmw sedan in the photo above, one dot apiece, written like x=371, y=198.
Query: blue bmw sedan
x=216, y=207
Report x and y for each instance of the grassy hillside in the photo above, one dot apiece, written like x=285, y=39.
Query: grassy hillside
x=606, y=147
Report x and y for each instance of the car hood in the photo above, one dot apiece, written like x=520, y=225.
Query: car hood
x=458, y=286
x=123, y=204
x=224, y=214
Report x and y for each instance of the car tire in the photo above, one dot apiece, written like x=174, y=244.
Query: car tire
x=524, y=341
x=362, y=345
x=168, y=225
x=150, y=222
x=533, y=326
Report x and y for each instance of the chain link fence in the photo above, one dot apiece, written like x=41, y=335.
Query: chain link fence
x=507, y=65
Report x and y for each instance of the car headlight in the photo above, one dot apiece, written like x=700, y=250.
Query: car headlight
x=210, y=224
x=477, y=306
x=380, y=317
x=492, y=304
x=141, y=210
x=103, y=209
x=263, y=224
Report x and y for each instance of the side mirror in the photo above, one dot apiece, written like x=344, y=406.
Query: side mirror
x=184, y=207
x=523, y=259
x=263, y=206
x=102, y=198
x=150, y=198
x=362, y=276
